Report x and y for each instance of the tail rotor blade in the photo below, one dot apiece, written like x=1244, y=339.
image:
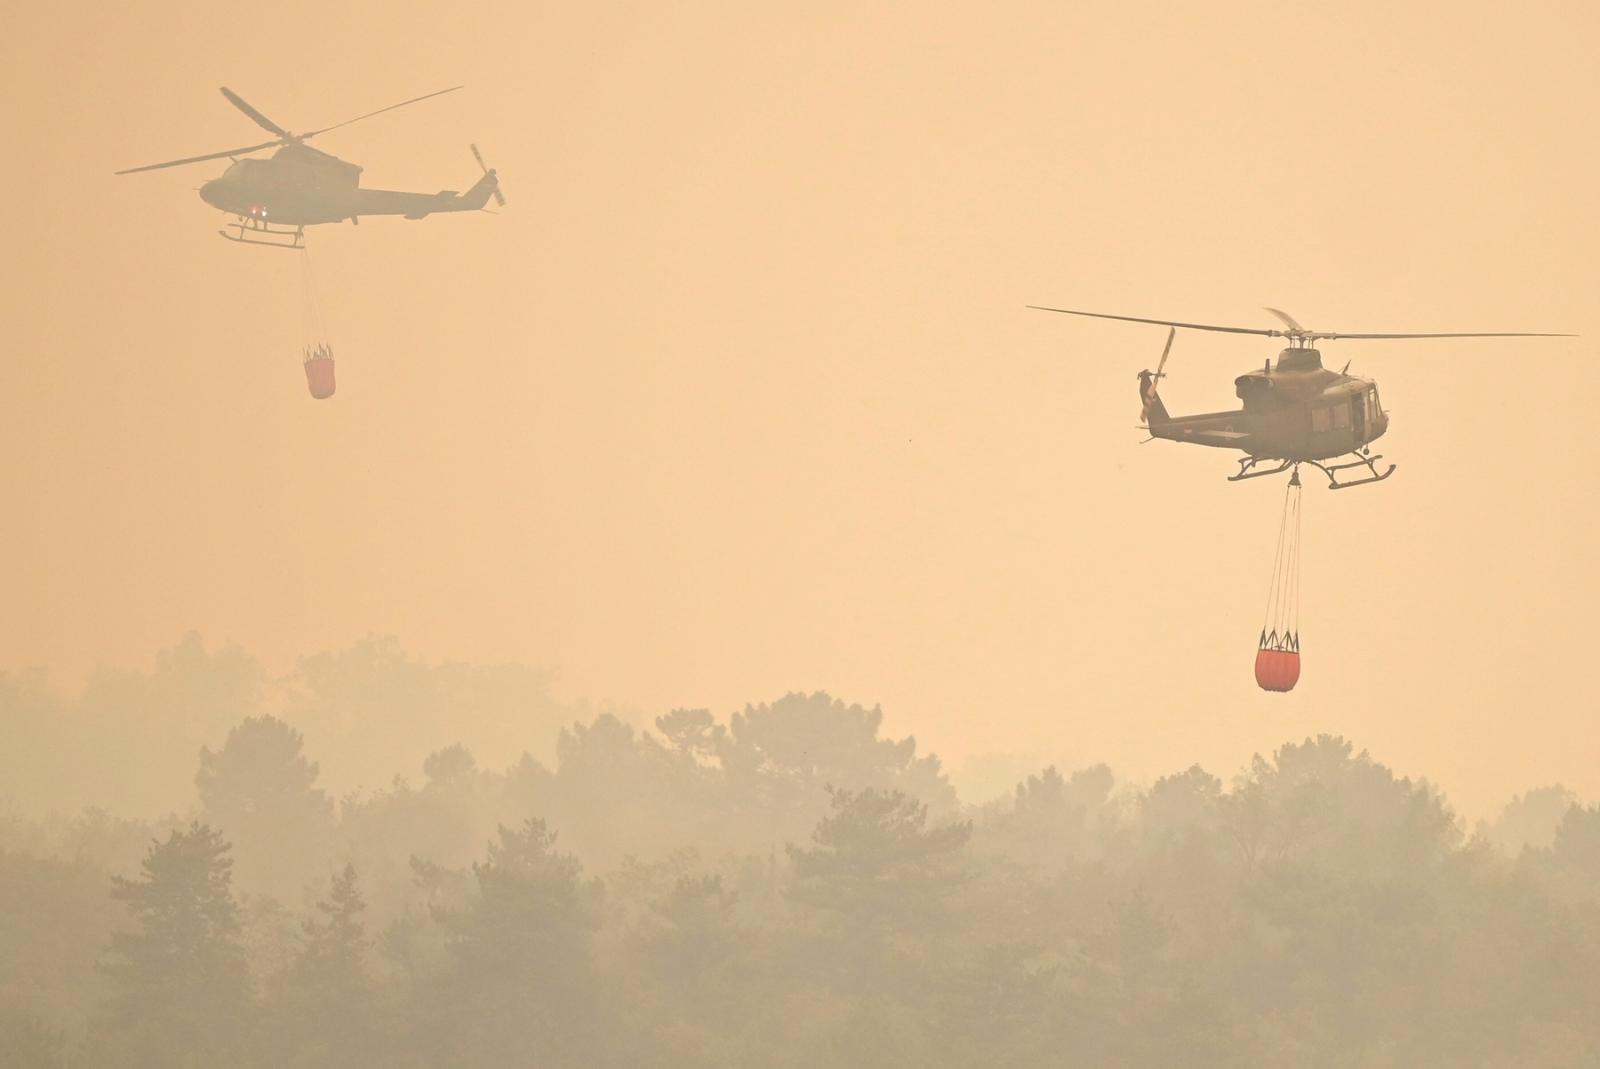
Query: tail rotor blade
x=499, y=197
x=1161, y=367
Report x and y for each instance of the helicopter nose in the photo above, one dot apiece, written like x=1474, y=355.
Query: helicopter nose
x=211, y=192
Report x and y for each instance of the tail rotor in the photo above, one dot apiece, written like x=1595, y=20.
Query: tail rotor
x=1149, y=403
x=499, y=197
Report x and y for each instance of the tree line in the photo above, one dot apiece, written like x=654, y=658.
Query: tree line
x=788, y=886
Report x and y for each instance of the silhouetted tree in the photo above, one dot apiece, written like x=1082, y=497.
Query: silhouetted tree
x=1531, y=819
x=522, y=969
x=694, y=733
x=883, y=881
x=1576, y=846
x=70, y=754
x=180, y=988
x=383, y=710
x=325, y=1003
x=1319, y=803
x=55, y=920
x=690, y=928
x=781, y=759
x=450, y=766
x=1055, y=819
x=1179, y=806
x=260, y=789
x=1319, y=910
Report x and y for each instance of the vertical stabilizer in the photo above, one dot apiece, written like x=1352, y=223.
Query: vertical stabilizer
x=1151, y=410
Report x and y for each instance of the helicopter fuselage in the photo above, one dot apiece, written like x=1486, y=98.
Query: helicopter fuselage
x=1296, y=411
x=299, y=186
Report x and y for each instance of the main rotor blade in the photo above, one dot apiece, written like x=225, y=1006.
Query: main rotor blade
x=260, y=120
x=1496, y=334
x=1285, y=318
x=200, y=159
x=1297, y=332
x=380, y=111
x=1165, y=322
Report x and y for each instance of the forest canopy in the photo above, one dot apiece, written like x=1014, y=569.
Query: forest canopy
x=784, y=884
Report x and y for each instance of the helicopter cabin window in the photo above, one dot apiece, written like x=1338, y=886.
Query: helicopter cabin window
x=1319, y=420
x=1341, y=417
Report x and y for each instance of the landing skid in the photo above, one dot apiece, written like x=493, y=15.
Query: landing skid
x=1368, y=462
x=252, y=231
x=1249, y=469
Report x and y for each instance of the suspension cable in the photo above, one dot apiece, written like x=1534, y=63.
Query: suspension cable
x=1281, y=627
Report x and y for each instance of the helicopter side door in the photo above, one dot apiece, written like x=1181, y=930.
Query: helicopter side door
x=1358, y=416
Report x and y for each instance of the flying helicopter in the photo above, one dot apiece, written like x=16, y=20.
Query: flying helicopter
x=1295, y=412
x=273, y=200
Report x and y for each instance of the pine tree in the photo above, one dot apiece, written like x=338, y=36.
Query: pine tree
x=324, y=1006
x=180, y=987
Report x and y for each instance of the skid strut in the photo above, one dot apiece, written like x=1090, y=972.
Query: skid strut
x=250, y=230
x=1247, y=468
x=1360, y=461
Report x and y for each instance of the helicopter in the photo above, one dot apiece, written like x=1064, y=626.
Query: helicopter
x=1297, y=412
x=273, y=200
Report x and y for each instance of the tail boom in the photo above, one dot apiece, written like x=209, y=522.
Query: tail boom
x=1220, y=430
x=421, y=205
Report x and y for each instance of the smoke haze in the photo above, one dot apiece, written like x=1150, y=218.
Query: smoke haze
x=737, y=404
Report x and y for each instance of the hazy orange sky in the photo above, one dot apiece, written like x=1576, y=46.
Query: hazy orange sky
x=739, y=394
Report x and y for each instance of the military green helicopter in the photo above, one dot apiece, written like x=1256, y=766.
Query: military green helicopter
x=1297, y=412
x=275, y=199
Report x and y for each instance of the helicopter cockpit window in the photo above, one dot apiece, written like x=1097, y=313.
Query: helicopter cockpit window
x=1319, y=420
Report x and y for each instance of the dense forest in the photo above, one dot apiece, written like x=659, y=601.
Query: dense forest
x=782, y=886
